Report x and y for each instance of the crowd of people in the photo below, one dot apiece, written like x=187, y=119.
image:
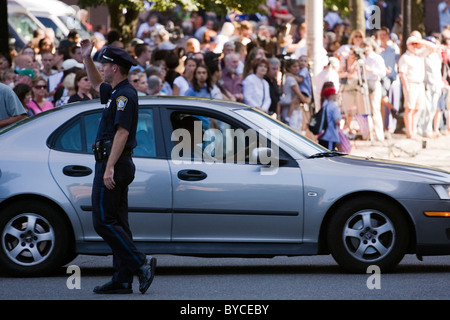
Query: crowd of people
x=368, y=85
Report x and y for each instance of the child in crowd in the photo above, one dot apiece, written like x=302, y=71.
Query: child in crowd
x=331, y=136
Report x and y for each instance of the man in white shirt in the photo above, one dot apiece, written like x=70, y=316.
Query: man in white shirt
x=375, y=70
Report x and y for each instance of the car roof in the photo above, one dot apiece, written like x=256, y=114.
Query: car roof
x=188, y=102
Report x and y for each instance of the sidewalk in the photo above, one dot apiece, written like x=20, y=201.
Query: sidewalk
x=428, y=152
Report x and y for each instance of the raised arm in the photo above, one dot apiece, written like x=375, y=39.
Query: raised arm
x=94, y=75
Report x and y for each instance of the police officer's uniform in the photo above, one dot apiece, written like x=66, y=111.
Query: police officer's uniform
x=110, y=207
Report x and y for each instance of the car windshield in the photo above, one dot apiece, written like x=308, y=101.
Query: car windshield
x=24, y=25
x=287, y=136
x=72, y=23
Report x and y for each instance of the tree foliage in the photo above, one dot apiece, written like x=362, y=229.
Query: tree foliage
x=124, y=13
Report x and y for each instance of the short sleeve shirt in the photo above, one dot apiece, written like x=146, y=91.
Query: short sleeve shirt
x=121, y=109
x=10, y=104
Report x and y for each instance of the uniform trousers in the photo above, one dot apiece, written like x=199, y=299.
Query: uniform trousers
x=110, y=218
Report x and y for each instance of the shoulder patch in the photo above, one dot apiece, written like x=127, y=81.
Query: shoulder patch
x=121, y=102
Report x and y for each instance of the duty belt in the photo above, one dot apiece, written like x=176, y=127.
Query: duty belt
x=102, y=150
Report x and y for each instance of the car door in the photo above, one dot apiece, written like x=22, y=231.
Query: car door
x=229, y=198
x=149, y=199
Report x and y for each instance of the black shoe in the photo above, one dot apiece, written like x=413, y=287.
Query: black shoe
x=114, y=288
x=146, y=273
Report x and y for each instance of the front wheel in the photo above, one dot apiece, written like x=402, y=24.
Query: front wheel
x=34, y=239
x=368, y=231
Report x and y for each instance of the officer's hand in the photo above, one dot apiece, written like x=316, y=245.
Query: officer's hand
x=86, y=48
x=108, y=178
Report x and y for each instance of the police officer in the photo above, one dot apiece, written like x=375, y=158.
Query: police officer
x=114, y=168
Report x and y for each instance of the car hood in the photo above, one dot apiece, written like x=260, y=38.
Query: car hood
x=400, y=168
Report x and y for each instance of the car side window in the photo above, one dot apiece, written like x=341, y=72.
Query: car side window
x=210, y=139
x=80, y=134
x=145, y=134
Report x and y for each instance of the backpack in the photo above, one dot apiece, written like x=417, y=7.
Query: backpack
x=318, y=124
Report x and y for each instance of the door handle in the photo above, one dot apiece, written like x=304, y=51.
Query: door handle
x=191, y=175
x=77, y=171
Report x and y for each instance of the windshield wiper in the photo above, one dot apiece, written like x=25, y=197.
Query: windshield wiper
x=326, y=154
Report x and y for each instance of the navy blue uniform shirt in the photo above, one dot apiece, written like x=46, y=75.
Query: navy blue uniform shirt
x=121, y=109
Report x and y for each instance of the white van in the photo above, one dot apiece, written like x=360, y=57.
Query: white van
x=56, y=15
x=21, y=24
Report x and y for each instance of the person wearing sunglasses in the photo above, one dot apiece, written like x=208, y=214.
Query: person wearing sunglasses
x=38, y=102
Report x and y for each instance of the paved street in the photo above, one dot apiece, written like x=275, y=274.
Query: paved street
x=434, y=152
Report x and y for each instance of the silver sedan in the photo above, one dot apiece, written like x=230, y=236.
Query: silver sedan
x=213, y=178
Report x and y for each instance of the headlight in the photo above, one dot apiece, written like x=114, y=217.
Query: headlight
x=443, y=191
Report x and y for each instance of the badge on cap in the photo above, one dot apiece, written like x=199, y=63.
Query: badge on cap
x=121, y=102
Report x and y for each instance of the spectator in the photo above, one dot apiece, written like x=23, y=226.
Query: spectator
x=255, y=89
x=254, y=54
x=355, y=41
x=412, y=74
x=38, y=103
x=83, y=15
x=182, y=83
x=434, y=85
x=68, y=89
x=100, y=32
x=352, y=99
x=192, y=45
x=232, y=81
x=143, y=55
x=209, y=25
x=38, y=34
x=24, y=76
x=305, y=85
x=11, y=109
x=133, y=78
x=47, y=59
x=172, y=62
x=390, y=84
x=146, y=29
x=245, y=32
x=208, y=41
x=444, y=14
x=218, y=91
x=330, y=138
x=82, y=88
x=142, y=87
x=5, y=62
x=224, y=36
x=155, y=86
x=292, y=96
x=329, y=74
x=8, y=77
x=75, y=53
x=272, y=79
x=23, y=92
x=201, y=83
x=375, y=71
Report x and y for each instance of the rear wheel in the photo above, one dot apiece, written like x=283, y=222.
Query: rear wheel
x=34, y=239
x=368, y=231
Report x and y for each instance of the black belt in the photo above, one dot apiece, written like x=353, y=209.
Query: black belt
x=102, y=150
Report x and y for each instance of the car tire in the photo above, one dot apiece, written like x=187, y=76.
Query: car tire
x=34, y=239
x=368, y=231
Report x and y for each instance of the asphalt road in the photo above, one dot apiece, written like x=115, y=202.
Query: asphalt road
x=238, y=279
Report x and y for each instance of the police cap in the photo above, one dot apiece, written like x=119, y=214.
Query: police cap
x=116, y=55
